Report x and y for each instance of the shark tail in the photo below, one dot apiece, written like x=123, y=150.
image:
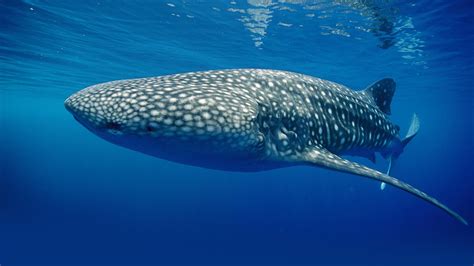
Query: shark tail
x=412, y=131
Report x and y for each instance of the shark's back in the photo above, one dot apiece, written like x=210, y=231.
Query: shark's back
x=312, y=110
x=249, y=120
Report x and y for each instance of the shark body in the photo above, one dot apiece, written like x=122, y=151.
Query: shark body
x=249, y=120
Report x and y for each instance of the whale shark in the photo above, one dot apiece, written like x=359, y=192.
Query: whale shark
x=250, y=120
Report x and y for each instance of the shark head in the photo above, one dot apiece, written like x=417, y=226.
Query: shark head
x=157, y=118
x=249, y=120
x=114, y=111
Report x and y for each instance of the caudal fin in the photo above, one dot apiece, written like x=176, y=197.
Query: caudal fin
x=412, y=131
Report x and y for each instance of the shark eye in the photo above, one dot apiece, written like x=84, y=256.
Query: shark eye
x=150, y=128
x=113, y=125
x=113, y=128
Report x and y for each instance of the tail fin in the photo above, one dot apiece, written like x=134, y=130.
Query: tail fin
x=412, y=131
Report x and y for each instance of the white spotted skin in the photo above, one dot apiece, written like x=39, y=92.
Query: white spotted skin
x=238, y=120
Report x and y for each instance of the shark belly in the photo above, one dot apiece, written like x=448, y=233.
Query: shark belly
x=248, y=120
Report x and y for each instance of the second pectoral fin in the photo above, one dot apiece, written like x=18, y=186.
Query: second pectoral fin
x=321, y=157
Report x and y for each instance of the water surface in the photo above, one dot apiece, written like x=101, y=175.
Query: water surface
x=69, y=197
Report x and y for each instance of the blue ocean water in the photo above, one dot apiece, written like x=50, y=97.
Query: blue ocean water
x=68, y=197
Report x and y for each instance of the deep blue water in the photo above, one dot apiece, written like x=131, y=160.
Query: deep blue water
x=68, y=197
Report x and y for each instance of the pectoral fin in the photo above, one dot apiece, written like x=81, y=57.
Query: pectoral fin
x=324, y=158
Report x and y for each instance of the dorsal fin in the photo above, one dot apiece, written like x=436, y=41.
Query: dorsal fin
x=381, y=92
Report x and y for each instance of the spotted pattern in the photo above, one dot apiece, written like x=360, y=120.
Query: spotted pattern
x=245, y=120
x=289, y=112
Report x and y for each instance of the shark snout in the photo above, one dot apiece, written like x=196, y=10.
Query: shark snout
x=98, y=112
x=75, y=103
x=68, y=105
x=85, y=110
x=72, y=107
